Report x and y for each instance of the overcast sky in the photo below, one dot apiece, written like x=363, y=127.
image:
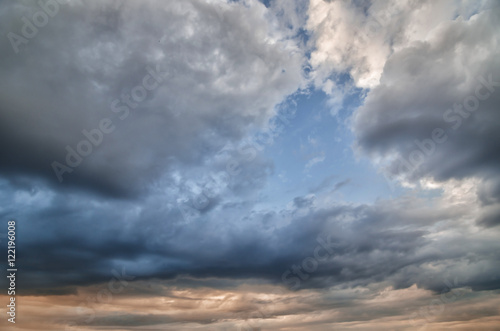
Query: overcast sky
x=251, y=165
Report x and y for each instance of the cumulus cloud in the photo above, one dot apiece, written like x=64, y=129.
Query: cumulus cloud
x=431, y=77
x=434, y=112
x=214, y=71
x=357, y=38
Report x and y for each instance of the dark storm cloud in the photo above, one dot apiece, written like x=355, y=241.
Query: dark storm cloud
x=207, y=87
x=71, y=239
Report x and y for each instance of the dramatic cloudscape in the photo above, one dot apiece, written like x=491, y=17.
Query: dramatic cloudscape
x=251, y=165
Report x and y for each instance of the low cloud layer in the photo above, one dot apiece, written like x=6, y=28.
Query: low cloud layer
x=400, y=242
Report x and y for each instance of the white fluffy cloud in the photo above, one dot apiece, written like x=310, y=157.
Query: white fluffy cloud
x=359, y=37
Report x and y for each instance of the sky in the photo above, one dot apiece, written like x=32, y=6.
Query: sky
x=251, y=165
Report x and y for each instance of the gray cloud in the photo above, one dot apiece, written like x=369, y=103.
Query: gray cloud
x=388, y=242
x=435, y=112
x=74, y=72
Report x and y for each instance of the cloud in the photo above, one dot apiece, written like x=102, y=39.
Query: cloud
x=400, y=242
x=312, y=162
x=430, y=73
x=327, y=183
x=201, y=248
x=171, y=305
x=90, y=63
x=434, y=113
x=358, y=37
